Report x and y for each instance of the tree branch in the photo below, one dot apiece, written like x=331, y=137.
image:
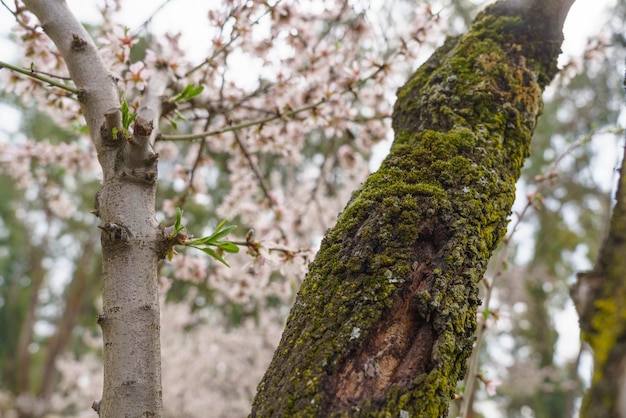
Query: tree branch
x=139, y=156
x=32, y=74
x=218, y=51
x=283, y=115
x=152, y=99
x=95, y=87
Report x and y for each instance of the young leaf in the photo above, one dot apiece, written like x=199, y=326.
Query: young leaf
x=213, y=239
x=212, y=253
x=229, y=247
x=178, y=224
x=219, y=234
x=172, y=122
x=180, y=115
x=220, y=225
x=189, y=92
x=127, y=116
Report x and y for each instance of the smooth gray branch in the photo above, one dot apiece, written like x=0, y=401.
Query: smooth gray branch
x=95, y=87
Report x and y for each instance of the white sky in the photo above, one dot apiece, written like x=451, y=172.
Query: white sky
x=584, y=19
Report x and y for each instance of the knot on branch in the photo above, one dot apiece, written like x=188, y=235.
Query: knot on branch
x=78, y=43
x=143, y=123
x=140, y=175
x=115, y=232
x=111, y=130
x=96, y=406
x=169, y=240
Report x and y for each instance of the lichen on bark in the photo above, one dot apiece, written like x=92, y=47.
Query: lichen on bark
x=600, y=298
x=384, y=322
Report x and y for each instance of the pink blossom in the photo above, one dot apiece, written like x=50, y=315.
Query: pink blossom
x=136, y=75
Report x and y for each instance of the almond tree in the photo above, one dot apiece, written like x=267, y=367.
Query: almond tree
x=385, y=320
x=132, y=241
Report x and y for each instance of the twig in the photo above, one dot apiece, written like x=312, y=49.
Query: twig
x=8, y=8
x=350, y=89
x=16, y=14
x=59, y=77
x=36, y=76
x=189, y=137
x=210, y=59
x=254, y=247
x=149, y=19
x=183, y=197
x=260, y=179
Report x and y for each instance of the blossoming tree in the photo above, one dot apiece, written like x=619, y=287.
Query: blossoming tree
x=385, y=320
x=303, y=115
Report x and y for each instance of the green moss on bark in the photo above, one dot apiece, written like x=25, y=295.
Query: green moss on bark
x=384, y=322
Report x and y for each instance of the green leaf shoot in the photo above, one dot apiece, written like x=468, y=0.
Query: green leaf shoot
x=178, y=223
x=215, y=240
x=212, y=253
x=189, y=92
x=127, y=116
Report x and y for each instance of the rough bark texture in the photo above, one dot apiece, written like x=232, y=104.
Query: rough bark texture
x=384, y=322
x=132, y=241
x=600, y=297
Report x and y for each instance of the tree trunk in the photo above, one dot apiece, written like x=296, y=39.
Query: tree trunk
x=384, y=322
x=600, y=298
x=132, y=241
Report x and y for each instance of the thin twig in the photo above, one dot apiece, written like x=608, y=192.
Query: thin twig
x=8, y=8
x=217, y=52
x=16, y=14
x=59, y=77
x=30, y=73
x=149, y=19
x=233, y=128
x=254, y=246
x=260, y=179
x=183, y=197
x=350, y=89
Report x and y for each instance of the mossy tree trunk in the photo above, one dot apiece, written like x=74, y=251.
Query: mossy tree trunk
x=384, y=322
x=600, y=297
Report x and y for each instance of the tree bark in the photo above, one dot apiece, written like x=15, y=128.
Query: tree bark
x=132, y=241
x=600, y=298
x=384, y=322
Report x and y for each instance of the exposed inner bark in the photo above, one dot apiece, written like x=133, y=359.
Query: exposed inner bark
x=394, y=353
x=399, y=348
